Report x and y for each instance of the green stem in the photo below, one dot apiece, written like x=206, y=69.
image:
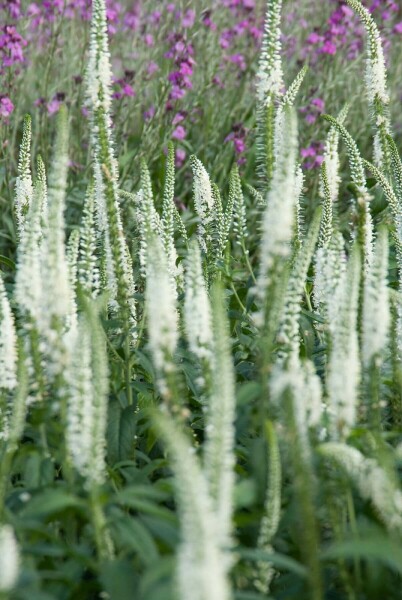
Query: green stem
x=103, y=541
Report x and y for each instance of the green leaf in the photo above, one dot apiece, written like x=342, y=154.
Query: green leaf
x=279, y=560
x=49, y=502
x=8, y=262
x=119, y=579
x=377, y=548
x=120, y=432
x=245, y=493
x=131, y=533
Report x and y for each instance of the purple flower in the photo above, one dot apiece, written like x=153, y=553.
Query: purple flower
x=188, y=18
x=328, y=47
x=314, y=38
x=178, y=118
x=312, y=152
x=149, y=39
x=179, y=133
x=53, y=106
x=180, y=157
x=397, y=28
x=152, y=68
x=6, y=106
x=238, y=60
x=11, y=44
x=149, y=113
x=127, y=90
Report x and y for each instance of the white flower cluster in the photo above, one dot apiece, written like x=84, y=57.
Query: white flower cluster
x=270, y=73
x=88, y=270
x=161, y=309
x=197, y=307
x=372, y=481
x=279, y=215
x=23, y=183
x=304, y=384
x=376, y=313
x=219, y=458
x=203, y=202
x=87, y=389
x=330, y=265
x=8, y=343
x=343, y=376
x=288, y=335
x=376, y=84
x=99, y=71
x=9, y=559
x=202, y=567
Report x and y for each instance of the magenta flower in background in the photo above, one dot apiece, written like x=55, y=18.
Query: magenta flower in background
x=11, y=45
x=180, y=157
x=53, y=106
x=179, y=133
x=314, y=155
x=13, y=7
x=152, y=68
x=6, y=106
x=238, y=137
x=188, y=18
x=149, y=113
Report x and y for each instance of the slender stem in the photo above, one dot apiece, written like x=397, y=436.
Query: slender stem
x=103, y=541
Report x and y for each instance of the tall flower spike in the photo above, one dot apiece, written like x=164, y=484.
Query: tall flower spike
x=239, y=209
x=219, y=458
x=72, y=262
x=57, y=297
x=8, y=343
x=365, y=221
x=23, y=184
x=88, y=269
x=272, y=509
x=149, y=222
x=303, y=384
x=202, y=565
x=219, y=228
x=376, y=85
x=270, y=72
x=372, y=481
x=160, y=300
x=99, y=71
x=269, y=89
x=197, y=308
x=330, y=264
x=41, y=180
x=229, y=210
x=28, y=279
x=170, y=214
x=117, y=257
x=299, y=182
x=330, y=179
x=376, y=311
x=203, y=203
x=87, y=394
x=117, y=254
x=290, y=96
x=278, y=219
x=288, y=335
x=343, y=376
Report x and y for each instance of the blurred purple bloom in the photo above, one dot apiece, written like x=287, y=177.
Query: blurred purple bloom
x=188, y=18
x=180, y=157
x=179, y=133
x=6, y=106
